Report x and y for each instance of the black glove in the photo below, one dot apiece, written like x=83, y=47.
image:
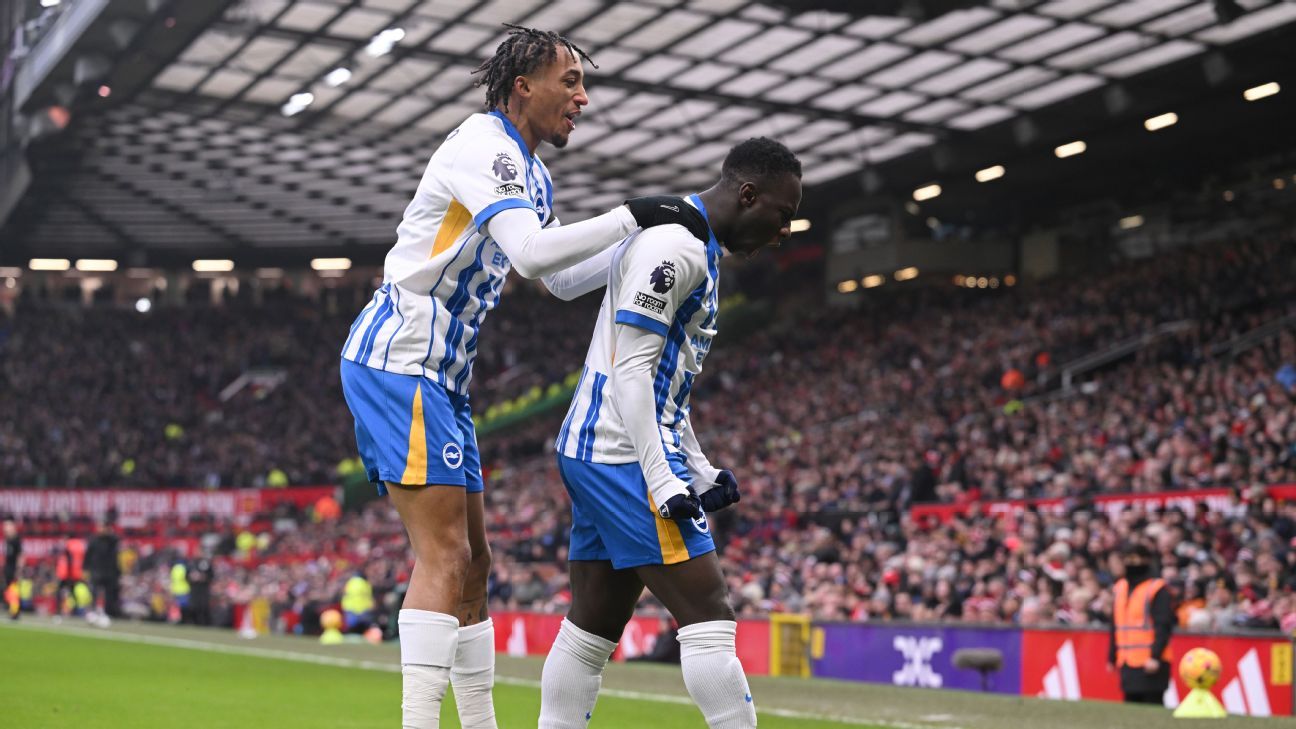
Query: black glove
x=666, y=209
x=724, y=493
x=682, y=506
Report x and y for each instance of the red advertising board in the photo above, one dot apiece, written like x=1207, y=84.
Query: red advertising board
x=1219, y=499
x=37, y=548
x=135, y=506
x=532, y=634
x=1072, y=665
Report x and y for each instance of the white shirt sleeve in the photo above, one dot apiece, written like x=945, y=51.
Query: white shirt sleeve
x=586, y=276
x=658, y=270
x=704, y=474
x=536, y=252
x=637, y=352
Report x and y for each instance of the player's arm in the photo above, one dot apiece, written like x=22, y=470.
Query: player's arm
x=536, y=252
x=638, y=352
x=716, y=488
x=703, y=472
x=490, y=181
x=643, y=317
x=589, y=275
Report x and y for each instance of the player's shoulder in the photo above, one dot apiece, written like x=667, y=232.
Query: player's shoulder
x=666, y=254
x=674, y=239
x=480, y=135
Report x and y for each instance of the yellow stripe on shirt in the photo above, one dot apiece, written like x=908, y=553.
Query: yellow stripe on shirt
x=416, y=457
x=456, y=220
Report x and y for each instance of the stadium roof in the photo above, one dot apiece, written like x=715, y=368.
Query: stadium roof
x=207, y=158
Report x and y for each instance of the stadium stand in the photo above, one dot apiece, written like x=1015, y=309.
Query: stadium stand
x=909, y=408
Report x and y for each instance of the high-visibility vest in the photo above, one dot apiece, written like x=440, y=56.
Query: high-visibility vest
x=1133, y=616
x=179, y=580
x=357, y=596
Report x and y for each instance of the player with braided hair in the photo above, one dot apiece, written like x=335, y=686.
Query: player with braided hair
x=483, y=207
x=525, y=50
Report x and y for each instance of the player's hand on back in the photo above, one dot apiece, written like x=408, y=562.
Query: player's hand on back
x=723, y=494
x=667, y=209
x=684, y=505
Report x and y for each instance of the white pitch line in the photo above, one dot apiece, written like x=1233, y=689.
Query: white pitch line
x=394, y=668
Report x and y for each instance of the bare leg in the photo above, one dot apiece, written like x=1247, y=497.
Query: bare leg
x=472, y=605
x=435, y=517
x=693, y=591
x=603, y=599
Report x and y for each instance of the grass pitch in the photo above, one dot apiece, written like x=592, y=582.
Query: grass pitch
x=147, y=676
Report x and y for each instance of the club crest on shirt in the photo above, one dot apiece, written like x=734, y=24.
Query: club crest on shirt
x=505, y=168
x=663, y=277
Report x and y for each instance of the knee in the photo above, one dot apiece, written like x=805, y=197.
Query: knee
x=446, y=557
x=600, y=622
x=714, y=606
x=459, y=559
x=481, y=560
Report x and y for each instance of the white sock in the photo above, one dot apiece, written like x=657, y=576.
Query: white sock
x=473, y=675
x=427, y=642
x=713, y=675
x=572, y=675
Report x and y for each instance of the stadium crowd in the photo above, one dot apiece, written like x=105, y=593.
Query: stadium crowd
x=836, y=423
x=117, y=398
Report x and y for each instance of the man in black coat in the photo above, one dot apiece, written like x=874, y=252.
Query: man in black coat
x=105, y=569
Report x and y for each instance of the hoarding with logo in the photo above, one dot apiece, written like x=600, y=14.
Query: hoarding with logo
x=1072, y=665
x=911, y=655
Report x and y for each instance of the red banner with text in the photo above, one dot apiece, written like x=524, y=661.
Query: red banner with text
x=1218, y=499
x=136, y=506
x=1072, y=665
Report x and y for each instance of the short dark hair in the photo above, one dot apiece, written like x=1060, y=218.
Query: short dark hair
x=523, y=51
x=758, y=157
x=1138, y=550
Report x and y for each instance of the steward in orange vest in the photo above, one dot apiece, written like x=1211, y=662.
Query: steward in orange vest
x=1141, y=622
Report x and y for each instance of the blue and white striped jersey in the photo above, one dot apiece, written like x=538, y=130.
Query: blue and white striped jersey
x=666, y=281
x=445, y=272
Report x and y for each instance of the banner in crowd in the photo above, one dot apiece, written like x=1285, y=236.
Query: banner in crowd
x=908, y=655
x=1071, y=665
x=1217, y=499
x=139, y=505
x=37, y=548
x=532, y=634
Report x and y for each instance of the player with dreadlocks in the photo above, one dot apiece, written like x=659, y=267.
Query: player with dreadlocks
x=483, y=207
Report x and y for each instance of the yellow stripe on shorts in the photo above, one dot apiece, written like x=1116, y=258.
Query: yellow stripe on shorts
x=416, y=457
x=673, y=549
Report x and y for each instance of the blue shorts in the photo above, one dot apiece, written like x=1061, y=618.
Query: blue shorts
x=613, y=517
x=410, y=430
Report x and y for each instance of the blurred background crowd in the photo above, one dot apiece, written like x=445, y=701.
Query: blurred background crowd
x=836, y=424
